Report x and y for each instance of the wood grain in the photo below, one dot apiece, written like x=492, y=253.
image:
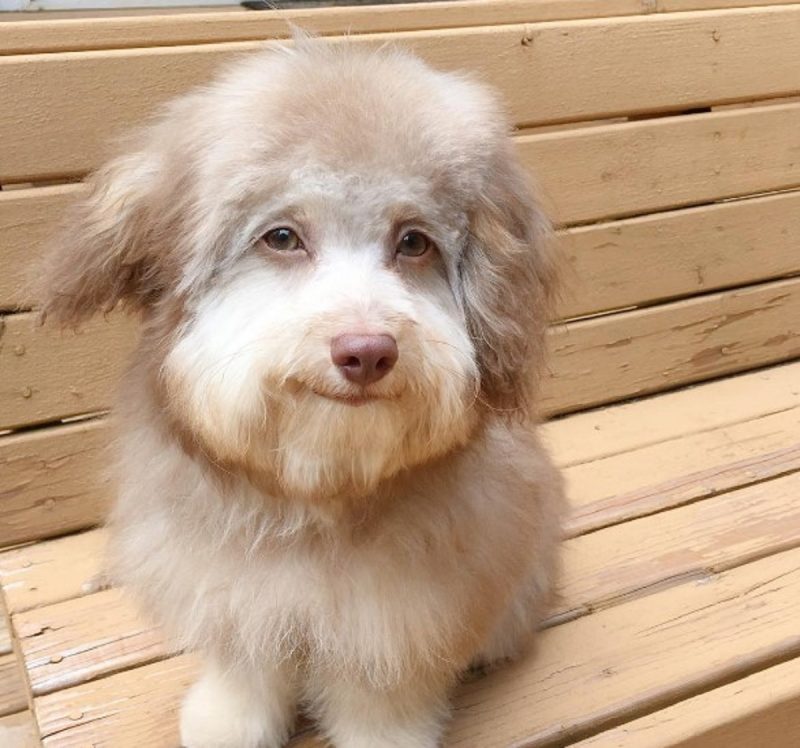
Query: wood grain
x=128, y=710
x=588, y=174
x=653, y=478
x=84, y=638
x=690, y=542
x=761, y=709
x=603, y=433
x=49, y=572
x=601, y=360
x=19, y=731
x=620, y=462
x=688, y=251
x=46, y=375
x=29, y=221
x=74, y=102
x=640, y=261
x=592, y=362
x=13, y=694
x=158, y=29
x=622, y=661
x=53, y=481
x=725, y=626
x=92, y=636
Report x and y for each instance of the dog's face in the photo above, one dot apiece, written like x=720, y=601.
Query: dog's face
x=339, y=262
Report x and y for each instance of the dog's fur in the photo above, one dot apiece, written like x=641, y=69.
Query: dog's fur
x=351, y=557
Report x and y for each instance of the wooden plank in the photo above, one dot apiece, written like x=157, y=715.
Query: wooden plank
x=651, y=454
x=690, y=542
x=47, y=375
x=622, y=662
x=92, y=636
x=84, y=638
x=29, y=219
x=684, y=252
x=616, y=663
x=610, y=358
x=592, y=362
x=13, y=695
x=5, y=633
x=638, y=167
x=49, y=572
x=653, y=478
x=19, y=731
x=688, y=251
x=53, y=481
x=761, y=709
x=155, y=28
x=132, y=709
x=603, y=433
x=74, y=102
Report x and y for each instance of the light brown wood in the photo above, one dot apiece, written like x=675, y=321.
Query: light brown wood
x=653, y=478
x=702, y=59
x=686, y=251
x=5, y=634
x=669, y=255
x=47, y=375
x=156, y=28
x=53, y=481
x=93, y=635
x=623, y=660
x=617, y=662
x=638, y=167
x=761, y=709
x=603, y=433
x=83, y=639
x=49, y=572
x=690, y=542
x=132, y=709
x=592, y=362
x=29, y=219
x=19, y=731
x=610, y=358
x=655, y=453
x=13, y=695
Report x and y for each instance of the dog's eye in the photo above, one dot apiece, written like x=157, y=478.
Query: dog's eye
x=414, y=244
x=283, y=240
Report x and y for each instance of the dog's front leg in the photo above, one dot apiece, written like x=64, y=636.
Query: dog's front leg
x=230, y=708
x=357, y=716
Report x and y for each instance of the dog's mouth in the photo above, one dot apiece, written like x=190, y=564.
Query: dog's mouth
x=355, y=400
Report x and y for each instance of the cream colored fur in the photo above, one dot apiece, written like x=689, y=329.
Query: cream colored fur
x=351, y=560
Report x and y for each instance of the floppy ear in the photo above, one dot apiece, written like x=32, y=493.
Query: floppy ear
x=106, y=251
x=508, y=279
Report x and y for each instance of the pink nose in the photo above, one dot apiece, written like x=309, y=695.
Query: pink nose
x=364, y=359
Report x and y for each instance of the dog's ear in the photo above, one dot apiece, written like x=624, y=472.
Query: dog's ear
x=107, y=251
x=508, y=277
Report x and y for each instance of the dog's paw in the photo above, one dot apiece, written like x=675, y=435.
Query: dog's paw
x=217, y=713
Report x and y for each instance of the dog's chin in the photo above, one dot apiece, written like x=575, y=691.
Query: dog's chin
x=344, y=444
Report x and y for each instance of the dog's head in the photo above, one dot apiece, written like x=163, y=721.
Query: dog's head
x=337, y=257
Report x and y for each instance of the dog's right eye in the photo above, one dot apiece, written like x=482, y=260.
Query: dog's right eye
x=283, y=240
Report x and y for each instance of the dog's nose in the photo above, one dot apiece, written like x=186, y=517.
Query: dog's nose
x=364, y=359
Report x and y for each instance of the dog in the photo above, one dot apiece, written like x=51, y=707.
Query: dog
x=329, y=478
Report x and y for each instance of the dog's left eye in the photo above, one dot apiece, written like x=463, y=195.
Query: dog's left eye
x=414, y=244
x=283, y=240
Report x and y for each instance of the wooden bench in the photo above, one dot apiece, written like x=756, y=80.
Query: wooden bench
x=666, y=137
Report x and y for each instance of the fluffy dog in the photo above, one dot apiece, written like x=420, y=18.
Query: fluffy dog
x=329, y=478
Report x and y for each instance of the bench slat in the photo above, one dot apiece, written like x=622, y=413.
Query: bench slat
x=641, y=457
x=156, y=30
x=98, y=634
x=760, y=709
x=53, y=481
x=725, y=626
x=73, y=102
